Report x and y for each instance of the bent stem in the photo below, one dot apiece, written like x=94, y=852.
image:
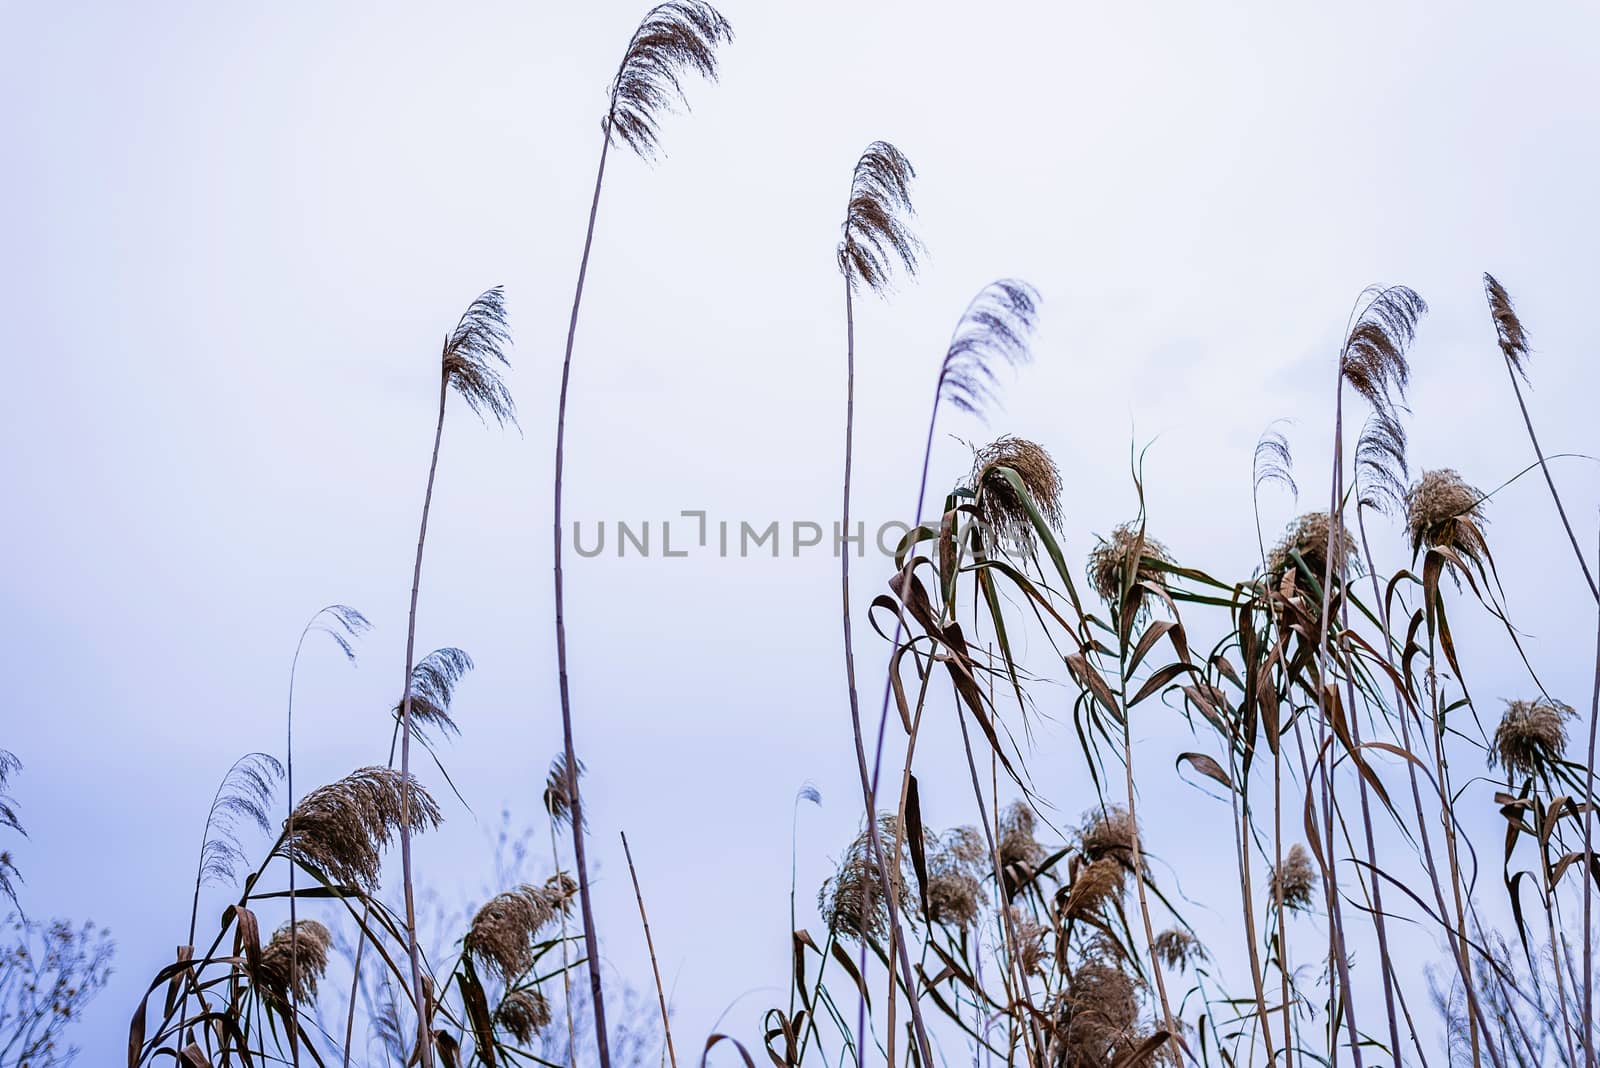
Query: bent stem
x=591, y=941
x=424, y=1037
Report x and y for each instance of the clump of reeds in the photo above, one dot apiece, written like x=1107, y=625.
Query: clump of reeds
x=1309, y=537
x=1121, y=560
x=1443, y=511
x=502, y=931
x=1294, y=881
x=296, y=958
x=342, y=828
x=1001, y=507
x=954, y=887
x=1531, y=736
x=854, y=900
x=523, y=1013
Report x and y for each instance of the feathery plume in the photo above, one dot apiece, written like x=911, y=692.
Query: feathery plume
x=1513, y=339
x=1094, y=886
x=1031, y=947
x=994, y=330
x=1308, y=536
x=1108, y=832
x=1443, y=511
x=471, y=353
x=1096, y=1018
x=1122, y=560
x=1532, y=735
x=341, y=828
x=502, y=931
x=877, y=234
x=433, y=686
x=296, y=958
x=1381, y=468
x=242, y=799
x=1274, y=462
x=955, y=864
x=674, y=39
x=523, y=1014
x=558, y=790
x=1177, y=947
x=1001, y=508
x=854, y=900
x=1295, y=880
x=1373, y=360
x=9, y=876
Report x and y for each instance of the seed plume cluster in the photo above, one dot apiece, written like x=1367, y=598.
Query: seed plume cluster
x=994, y=330
x=956, y=865
x=854, y=899
x=1532, y=736
x=305, y=946
x=1295, y=880
x=1123, y=559
x=1003, y=510
x=877, y=228
x=1443, y=511
x=342, y=829
x=675, y=39
x=503, y=930
x=474, y=354
x=523, y=1013
x=1508, y=329
x=1309, y=537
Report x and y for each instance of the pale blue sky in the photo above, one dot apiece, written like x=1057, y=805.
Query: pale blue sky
x=236, y=235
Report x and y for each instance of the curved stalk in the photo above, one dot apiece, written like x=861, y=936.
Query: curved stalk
x=591, y=940
x=424, y=1036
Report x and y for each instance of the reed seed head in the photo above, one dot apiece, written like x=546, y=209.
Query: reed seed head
x=1309, y=537
x=1443, y=511
x=1095, y=885
x=1097, y=1015
x=675, y=38
x=1031, y=947
x=342, y=828
x=502, y=932
x=854, y=899
x=1532, y=736
x=955, y=887
x=1177, y=947
x=1108, y=833
x=1123, y=558
x=304, y=946
x=1509, y=333
x=1295, y=880
x=1003, y=510
x=523, y=1014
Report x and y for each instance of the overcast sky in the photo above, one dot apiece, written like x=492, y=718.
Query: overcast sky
x=237, y=233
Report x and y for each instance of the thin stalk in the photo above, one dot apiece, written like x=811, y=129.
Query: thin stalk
x=566, y=978
x=591, y=941
x=661, y=994
x=424, y=1037
x=923, y=1048
x=1241, y=843
x=1336, y=946
x=1588, y=865
x=1138, y=854
x=1544, y=466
